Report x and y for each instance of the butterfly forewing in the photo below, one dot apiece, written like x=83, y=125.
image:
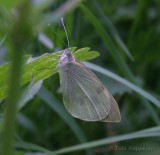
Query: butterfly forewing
x=114, y=113
x=84, y=95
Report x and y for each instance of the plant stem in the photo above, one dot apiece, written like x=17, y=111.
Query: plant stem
x=13, y=94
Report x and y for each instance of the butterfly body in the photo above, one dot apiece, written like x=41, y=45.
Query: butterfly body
x=84, y=96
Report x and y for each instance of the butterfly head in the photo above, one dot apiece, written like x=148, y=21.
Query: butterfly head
x=66, y=57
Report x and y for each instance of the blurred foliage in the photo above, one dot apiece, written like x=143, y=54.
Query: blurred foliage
x=126, y=33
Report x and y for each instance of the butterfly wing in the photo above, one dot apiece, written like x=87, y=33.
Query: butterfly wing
x=84, y=95
x=114, y=114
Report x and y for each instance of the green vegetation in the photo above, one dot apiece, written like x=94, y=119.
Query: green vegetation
x=123, y=40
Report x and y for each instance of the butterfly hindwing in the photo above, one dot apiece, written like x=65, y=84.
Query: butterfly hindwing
x=114, y=114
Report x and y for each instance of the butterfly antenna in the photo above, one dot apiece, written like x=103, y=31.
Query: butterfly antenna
x=58, y=36
x=65, y=31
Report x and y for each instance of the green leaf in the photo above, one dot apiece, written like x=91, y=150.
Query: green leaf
x=41, y=67
x=83, y=54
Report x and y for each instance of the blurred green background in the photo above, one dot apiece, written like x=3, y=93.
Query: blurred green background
x=126, y=33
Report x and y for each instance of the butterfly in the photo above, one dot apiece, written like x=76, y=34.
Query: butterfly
x=84, y=95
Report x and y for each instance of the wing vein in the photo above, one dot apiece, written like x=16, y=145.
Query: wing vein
x=86, y=93
x=82, y=90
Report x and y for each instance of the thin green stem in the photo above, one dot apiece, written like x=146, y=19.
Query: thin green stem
x=13, y=93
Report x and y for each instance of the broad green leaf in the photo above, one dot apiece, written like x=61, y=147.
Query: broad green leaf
x=40, y=67
x=83, y=54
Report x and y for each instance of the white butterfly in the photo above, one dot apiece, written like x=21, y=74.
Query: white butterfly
x=84, y=96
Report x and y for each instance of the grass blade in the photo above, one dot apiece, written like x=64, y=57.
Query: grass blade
x=111, y=47
x=113, y=31
x=125, y=82
x=150, y=132
x=139, y=134
x=54, y=104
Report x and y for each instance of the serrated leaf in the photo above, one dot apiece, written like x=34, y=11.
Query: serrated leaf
x=41, y=67
x=83, y=54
